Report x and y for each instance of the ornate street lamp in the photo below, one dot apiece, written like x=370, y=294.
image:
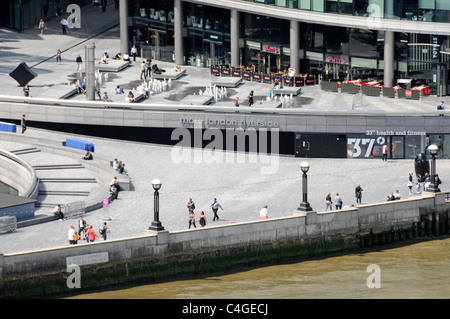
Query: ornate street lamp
x=304, y=205
x=433, y=188
x=156, y=224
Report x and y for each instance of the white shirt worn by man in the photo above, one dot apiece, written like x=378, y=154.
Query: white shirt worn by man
x=71, y=235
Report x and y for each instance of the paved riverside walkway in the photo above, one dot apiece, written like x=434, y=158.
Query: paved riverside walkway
x=241, y=188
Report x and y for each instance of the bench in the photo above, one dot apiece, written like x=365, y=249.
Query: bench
x=138, y=96
x=7, y=127
x=196, y=100
x=287, y=91
x=79, y=144
x=69, y=93
x=228, y=82
x=8, y=224
x=112, y=66
x=172, y=75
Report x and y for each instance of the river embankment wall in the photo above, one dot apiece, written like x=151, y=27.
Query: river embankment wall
x=164, y=255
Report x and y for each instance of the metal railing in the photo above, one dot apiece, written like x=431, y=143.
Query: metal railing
x=8, y=224
x=73, y=210
x=208, y=108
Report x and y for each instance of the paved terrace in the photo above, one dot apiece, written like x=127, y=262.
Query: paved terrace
x=241, y=188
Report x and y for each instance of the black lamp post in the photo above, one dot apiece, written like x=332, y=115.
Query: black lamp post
x=156, y=224
x=304, y=205
x=433, y=188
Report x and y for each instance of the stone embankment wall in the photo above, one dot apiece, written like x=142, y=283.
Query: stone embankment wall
x=171, y=255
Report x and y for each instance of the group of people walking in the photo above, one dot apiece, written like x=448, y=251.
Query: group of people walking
x=338, y=202
x=87, y=232
x=202, y=219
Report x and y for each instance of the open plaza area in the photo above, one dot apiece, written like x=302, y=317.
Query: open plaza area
x=237, y=180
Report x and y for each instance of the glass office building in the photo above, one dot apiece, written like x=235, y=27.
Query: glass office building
x=382, y=40
x=22, y=14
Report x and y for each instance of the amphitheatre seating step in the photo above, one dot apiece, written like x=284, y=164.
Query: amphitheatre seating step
x=67, y=180
x=57, y=166
x=64, y=193
x=26, y=151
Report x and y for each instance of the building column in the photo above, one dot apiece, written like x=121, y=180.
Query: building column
x=123, y=18
x=294, y=45
x=388, y=58
x=90, y=72
x=178, y=31
x=234, y=37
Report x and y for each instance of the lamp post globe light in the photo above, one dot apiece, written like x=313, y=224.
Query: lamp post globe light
x=156, y=224
x=304, y=205
x=433, y=188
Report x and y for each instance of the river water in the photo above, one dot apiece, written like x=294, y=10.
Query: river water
x=419, y=270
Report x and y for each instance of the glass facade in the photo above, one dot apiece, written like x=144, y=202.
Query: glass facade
x=23, y=14
x=419, y=10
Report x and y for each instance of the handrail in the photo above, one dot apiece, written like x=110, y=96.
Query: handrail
x=116, y=106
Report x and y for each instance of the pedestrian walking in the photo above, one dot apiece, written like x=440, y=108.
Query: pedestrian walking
x=190, y=205
x=81, y=225
x=42, y=26
x=79, y=62
x=134, y=53
x=328, y=202
x=58, y=56
x=148, y=67
x=358, y=193
x=23, y=123
x=384, y=151
x=410, y=182
x=202, y=220
x=26, y=90
x=64, y=25
x=441, y=107
x=264, y=213
x=338, y=201
x=418, y=183
x=192, y=219
x=250, y=98
x=215, y=207
x=91, y=234
x=71, y=236
x=143, y=71
x=103, y=230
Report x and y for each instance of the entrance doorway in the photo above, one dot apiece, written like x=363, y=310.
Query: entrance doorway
x=270, y=63
x=215, y=48
x=335, y=71
x=320, y=145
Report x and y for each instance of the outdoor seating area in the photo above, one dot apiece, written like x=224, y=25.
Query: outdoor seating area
x=250, y=74
x=403, y=89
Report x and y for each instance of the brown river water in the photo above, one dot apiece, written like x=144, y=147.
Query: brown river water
x=415, y=271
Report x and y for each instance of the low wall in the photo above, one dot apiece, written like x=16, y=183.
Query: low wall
x=18, y=174
x=168, y=255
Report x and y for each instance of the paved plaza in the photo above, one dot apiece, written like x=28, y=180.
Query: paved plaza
x=241, y=187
